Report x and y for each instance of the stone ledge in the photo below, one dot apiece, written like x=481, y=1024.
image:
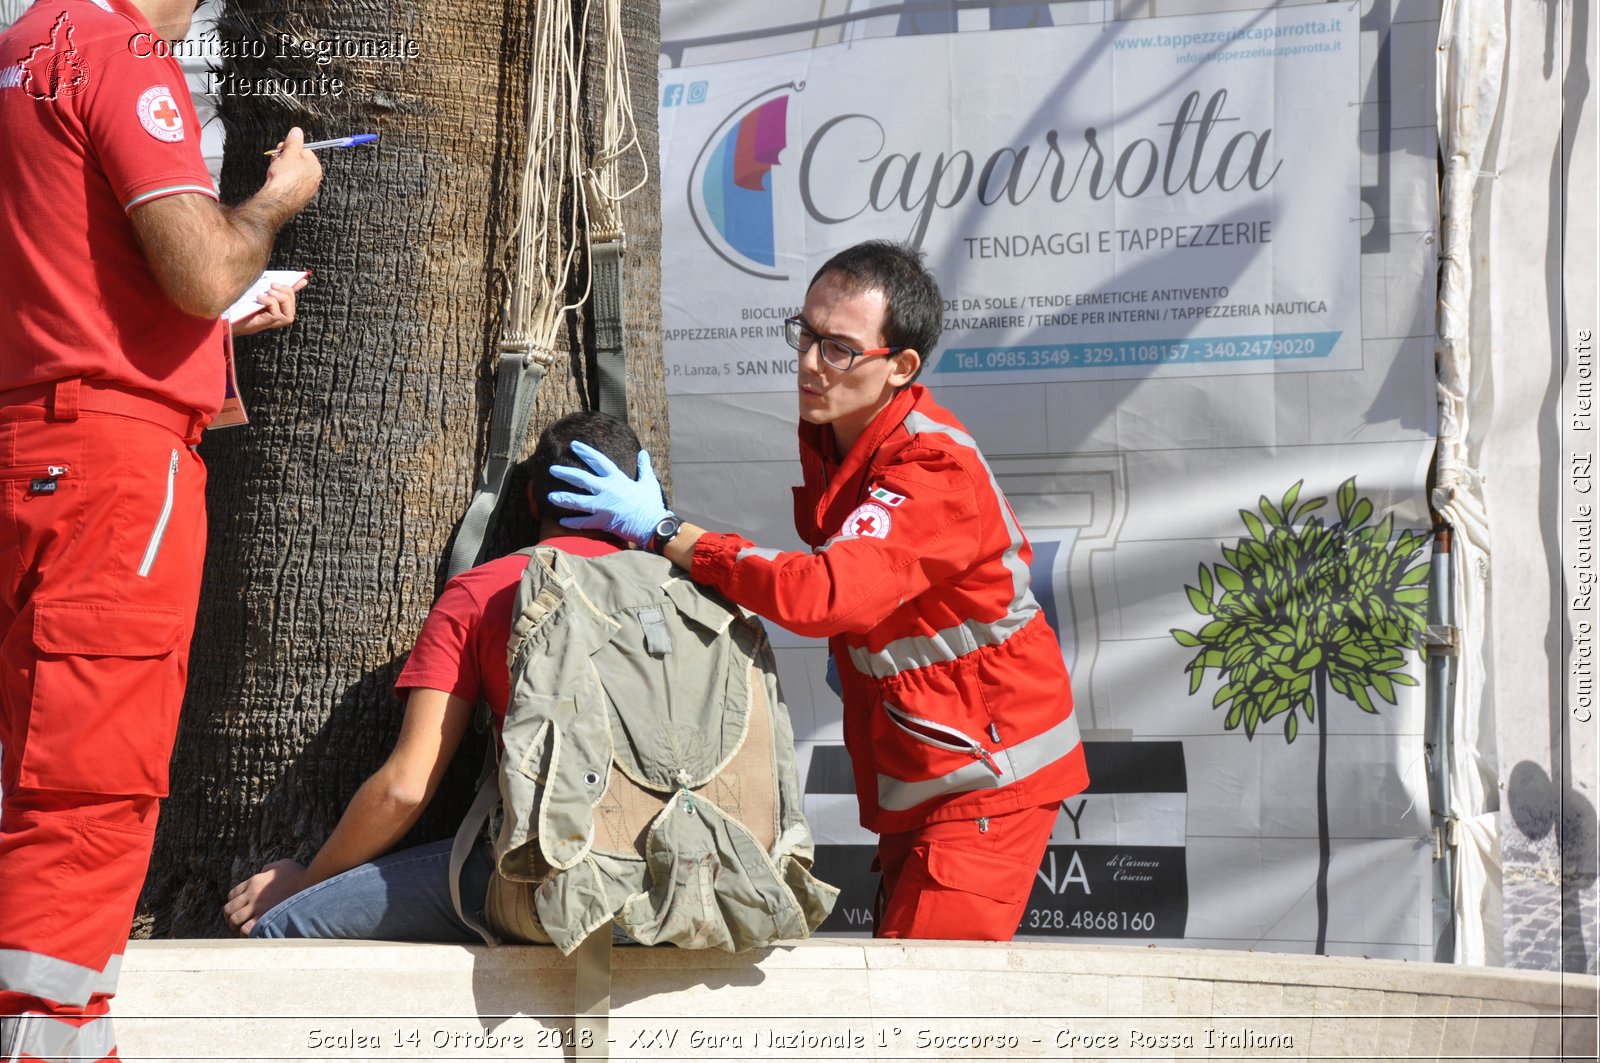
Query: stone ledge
x=837, y=999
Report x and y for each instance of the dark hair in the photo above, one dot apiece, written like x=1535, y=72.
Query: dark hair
x=913, y=311
x=605, y=433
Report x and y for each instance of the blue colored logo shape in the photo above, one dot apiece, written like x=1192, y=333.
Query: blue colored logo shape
x=731, y=186
x=671, y=95
x=1050, y=578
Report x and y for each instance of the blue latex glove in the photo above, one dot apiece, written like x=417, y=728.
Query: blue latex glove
x=615, y=502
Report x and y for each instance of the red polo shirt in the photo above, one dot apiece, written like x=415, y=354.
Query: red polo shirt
x=462, y=646
x=93, y=123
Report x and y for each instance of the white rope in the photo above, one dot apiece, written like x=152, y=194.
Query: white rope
x=619, y=133
x=538, y=274
x=553, y=171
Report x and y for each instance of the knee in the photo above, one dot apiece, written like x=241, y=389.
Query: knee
x=283, y=920
x=267, y=927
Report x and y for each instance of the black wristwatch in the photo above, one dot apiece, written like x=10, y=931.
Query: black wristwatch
x=666, y=530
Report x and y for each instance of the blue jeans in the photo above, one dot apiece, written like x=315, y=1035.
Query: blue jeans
x=404, y=896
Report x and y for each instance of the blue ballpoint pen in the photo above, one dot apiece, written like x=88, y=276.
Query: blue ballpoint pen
x=337, y=142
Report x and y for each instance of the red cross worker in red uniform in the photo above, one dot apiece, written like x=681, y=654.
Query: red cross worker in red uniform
x=957, y=709
x=117, y=262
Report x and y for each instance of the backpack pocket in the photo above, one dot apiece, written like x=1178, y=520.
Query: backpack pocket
x=711, y=885
x=815, y=897
x=557, y=760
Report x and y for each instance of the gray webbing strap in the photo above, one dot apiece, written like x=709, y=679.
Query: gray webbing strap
x=516, y=382
x=467, y=836
x=10, y=1038
x=610, y=357
x=591, y=995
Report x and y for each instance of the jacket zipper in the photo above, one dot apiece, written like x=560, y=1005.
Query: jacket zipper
x=953, y=740
x=160, y=531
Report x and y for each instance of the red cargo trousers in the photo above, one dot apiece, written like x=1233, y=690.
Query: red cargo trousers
x=102, y=538
x=961, y=879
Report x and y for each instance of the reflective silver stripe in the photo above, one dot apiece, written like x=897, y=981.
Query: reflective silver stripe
x=756, y=551
x=919, y=651
x=49, y=1040
x=107, y=982
x=1025, y=759
x=160, y=532
x=45, y=976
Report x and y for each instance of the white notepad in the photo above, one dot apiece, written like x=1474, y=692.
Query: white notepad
x=246, y=304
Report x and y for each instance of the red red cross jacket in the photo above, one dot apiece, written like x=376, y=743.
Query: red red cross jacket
x=956, y=699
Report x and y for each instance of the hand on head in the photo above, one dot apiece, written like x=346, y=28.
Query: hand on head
x=616, y=503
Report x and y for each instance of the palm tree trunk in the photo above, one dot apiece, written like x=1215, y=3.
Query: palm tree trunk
x=1324, y=851
x=332, y=511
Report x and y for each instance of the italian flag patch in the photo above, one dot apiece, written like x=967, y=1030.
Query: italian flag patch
x=887, y=497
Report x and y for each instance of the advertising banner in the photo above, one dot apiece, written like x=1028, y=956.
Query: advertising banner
x=1187, y=265
x=1175, y=197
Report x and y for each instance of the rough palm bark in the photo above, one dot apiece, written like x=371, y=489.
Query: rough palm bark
x=332, y=512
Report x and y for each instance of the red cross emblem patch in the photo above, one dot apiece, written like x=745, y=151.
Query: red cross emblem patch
x=159, y=114
x=868, y=521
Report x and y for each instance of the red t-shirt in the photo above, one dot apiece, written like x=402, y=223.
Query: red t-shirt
x=462, y=647
x=92, y=124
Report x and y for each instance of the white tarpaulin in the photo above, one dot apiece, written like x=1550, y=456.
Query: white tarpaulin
x=1188, y=263
x=1472, y=40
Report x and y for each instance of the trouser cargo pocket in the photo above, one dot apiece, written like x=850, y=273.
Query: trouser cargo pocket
x=107, y=686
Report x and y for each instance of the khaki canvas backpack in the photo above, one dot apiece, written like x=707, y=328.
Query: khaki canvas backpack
x=648, y=775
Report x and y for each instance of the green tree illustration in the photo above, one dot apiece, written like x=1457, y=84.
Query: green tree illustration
x=1299, y=605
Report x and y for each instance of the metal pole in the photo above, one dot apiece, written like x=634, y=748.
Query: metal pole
x=1440, y=642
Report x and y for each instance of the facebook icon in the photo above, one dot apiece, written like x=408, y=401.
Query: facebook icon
x=671, y=95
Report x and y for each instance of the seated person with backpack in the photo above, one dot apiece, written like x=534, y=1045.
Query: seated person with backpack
x=351, y=890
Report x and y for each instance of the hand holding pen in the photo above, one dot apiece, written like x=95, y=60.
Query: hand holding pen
x=337, y=142
x=293, y=176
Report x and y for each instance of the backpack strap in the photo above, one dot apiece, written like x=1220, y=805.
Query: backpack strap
x=482, y=807
x=591, y=995
x=516, y=382
x=610, y=356
x=471, y=830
